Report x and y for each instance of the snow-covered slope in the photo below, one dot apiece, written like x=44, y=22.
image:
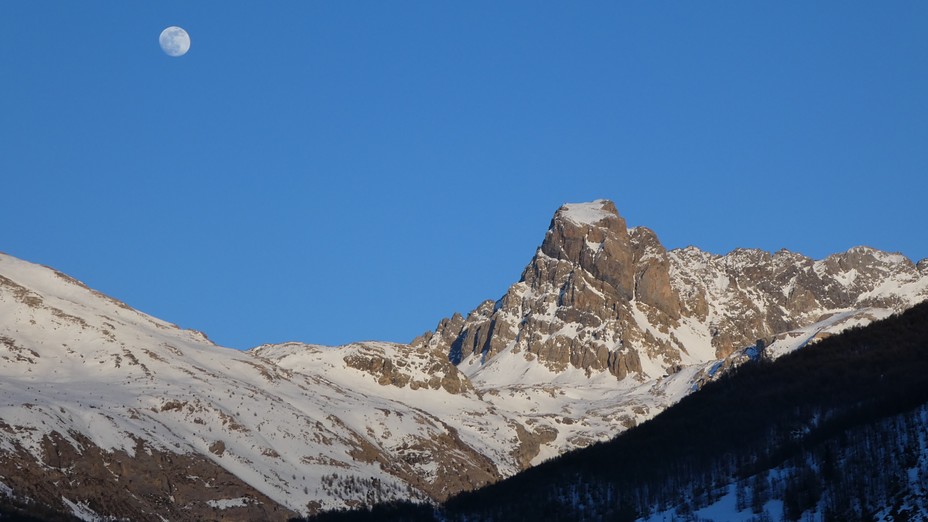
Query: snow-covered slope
x=82, y=370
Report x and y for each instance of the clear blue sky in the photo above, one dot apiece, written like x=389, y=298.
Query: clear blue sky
x=338, y=171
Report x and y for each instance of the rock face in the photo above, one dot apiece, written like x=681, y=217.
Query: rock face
x=406, y=367
x=599, y=296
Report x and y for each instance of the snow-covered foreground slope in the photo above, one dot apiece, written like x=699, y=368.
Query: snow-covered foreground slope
x=605, y=330
x=515, y=426
x=101, y=375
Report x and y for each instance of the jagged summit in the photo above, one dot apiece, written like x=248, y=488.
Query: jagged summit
x=598, y=296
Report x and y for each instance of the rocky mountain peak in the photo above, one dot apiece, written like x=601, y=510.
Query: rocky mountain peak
x=598, y=296
x=591, y=236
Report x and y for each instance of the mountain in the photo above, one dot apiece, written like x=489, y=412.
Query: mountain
x=834, y=432
x=108, y=412
x=615, y=327
x=97, y=398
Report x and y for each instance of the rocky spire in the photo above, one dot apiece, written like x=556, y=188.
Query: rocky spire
x=601, y=297
x=594, y=238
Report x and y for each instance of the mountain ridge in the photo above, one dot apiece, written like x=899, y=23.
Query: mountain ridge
x=588, y=245
x=599, y=335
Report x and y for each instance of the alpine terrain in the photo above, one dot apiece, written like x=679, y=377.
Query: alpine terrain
x=834, y=432
x=108, y=412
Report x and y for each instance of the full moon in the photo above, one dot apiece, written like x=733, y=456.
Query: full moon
x=174, y=41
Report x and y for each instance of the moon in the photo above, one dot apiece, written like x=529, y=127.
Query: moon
x=174, y=41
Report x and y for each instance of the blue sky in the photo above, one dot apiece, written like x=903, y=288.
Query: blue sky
x=337, y=171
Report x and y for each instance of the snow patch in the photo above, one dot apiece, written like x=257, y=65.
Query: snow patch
x=82, y=511
x=228, y=503
x=585, y=213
